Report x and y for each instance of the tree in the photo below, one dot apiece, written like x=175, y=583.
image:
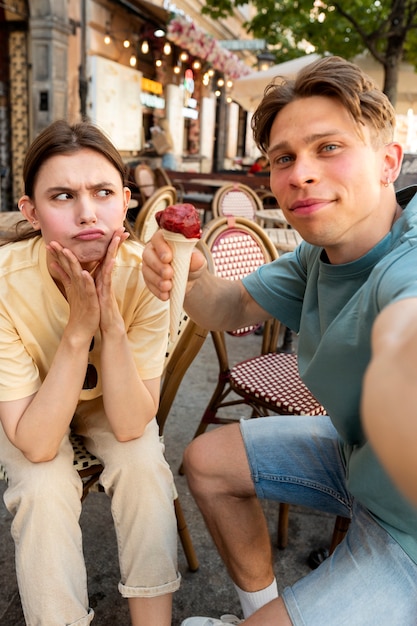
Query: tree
x=386, y=28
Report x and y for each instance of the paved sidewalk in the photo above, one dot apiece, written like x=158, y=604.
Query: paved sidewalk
x=207, y=591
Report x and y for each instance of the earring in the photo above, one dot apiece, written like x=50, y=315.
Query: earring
x=387, y=183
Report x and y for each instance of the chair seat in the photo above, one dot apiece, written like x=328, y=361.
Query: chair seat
x=274, y=381
x=83, y=459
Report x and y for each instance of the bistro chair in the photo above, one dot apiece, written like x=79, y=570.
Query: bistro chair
x=236, y=199
x=268, y=383
x=269, y=200
x=145, y=224
x=145, y=181
x=181, y=351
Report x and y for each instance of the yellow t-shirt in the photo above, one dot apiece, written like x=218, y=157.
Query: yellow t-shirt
x=34, y=313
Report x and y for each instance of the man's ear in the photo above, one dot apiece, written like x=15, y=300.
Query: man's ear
x=393, y=162
x=27, y=209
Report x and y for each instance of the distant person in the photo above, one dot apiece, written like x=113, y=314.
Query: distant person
x=82, y=348
x=260, y=165
x=164, y=144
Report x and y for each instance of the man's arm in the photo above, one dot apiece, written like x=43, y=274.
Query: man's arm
x=389, y=398
x=213, y=302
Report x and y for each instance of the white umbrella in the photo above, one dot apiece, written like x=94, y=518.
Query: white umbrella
x=248, y=90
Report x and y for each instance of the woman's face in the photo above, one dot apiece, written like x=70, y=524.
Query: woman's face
x=79, y=201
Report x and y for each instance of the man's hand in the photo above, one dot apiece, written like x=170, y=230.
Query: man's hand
x=157, y=269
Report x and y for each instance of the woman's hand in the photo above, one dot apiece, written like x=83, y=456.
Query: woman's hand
x=79, y=286
x=109, y=310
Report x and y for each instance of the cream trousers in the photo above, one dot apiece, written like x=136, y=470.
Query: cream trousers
x=44, y=499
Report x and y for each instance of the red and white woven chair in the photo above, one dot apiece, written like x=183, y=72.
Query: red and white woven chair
x=269, y=383
x=236, y=199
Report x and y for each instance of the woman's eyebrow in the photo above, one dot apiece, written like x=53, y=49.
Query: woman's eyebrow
x=66, y=189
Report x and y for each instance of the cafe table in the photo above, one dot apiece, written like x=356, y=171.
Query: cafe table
x=271, y=217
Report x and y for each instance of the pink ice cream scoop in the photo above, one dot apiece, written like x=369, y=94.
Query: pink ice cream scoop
x=180, y=218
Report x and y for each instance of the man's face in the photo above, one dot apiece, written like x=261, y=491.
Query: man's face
x=328, y=179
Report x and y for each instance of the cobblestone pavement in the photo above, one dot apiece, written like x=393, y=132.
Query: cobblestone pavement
x=207, y=591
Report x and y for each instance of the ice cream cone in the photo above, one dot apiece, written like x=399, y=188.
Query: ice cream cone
x=182, y=249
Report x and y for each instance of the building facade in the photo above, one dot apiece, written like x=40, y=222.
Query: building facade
x=124, y=64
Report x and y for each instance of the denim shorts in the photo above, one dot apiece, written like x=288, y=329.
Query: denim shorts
x=369, y=580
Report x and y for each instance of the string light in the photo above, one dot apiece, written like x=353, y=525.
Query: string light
x=184, y=56
x=167, y=48
x=177, y=69
x=132, y=60
x=107, y=39
x=126, y=43
x=158, y=62
x=145, y=46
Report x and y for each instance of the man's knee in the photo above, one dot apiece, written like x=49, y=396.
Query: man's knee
x=216, y=463
x=193, y=460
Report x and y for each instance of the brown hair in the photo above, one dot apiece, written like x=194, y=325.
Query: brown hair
x=336, y=78
x=62, y=138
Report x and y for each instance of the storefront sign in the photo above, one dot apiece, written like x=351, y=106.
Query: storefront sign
x=151, y=101
x=151, y=86
x=191, y=114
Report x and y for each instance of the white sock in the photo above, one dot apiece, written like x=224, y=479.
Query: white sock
x=251, y=601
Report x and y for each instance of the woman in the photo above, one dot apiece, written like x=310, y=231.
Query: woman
x=73, y=301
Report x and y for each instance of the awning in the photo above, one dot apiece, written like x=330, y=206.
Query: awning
x=248, y=90
x=147, y=11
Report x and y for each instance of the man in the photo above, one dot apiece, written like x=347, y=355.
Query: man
x=329, y=138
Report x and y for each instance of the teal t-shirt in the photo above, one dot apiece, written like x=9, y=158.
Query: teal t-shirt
x=333, y=308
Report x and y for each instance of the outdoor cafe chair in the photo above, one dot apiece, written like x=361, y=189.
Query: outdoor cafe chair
x=269, y=382
x=181, y=351
x=236, y=199
x=145, y=181
x=145, y=224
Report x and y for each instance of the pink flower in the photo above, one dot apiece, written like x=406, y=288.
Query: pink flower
x=187, y=35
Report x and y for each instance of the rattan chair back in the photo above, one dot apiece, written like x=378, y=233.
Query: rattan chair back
x=145, y=224
x=236, y=199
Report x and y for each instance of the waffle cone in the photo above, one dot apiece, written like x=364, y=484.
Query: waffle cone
x=182, y=249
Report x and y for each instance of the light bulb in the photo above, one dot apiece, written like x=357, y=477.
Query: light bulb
x=126, y=43
x=132, y=60
x=145, y=47
x=107, y=39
